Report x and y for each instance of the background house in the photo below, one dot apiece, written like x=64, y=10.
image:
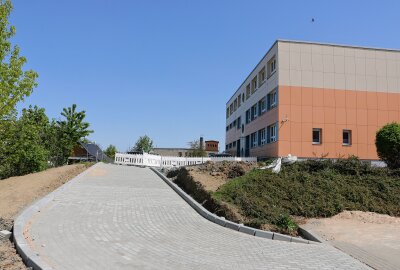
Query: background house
x=88, y=152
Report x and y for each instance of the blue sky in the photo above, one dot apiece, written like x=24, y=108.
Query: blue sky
x=167, y=68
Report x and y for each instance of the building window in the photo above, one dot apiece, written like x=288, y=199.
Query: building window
x=261, y=136
x=253, y=140
x=247, y=91
x=272, y=99
x=226, y=147
x=271, y=66
x=254, y=85
x=262, y=106
x=227, y=112
x=272, y=135
x=239, y=122
x=247, y=116
x=254, y=112
x=227, y=128
x=243, y=97
x=235, y=105
x=317, y=136
x=238, y=100
x=346, y=137
x=261, y=76
x=234, y=144
x=230, y=125
x=231, y=109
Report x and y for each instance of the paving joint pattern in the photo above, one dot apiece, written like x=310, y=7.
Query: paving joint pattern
x=124, y=217
x=232, y=225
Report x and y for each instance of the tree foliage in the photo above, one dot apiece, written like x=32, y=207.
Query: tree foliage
x=388, y=144
x=144, y=143
x=196, y=150
x=69, y=131
x=33, y=143
x=15, y=84
x=25, y=150
x=110, y=151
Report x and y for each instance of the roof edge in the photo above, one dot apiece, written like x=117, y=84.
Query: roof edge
x=337, y=45
x=248, y=76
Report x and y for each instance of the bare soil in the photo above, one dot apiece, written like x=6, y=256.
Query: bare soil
x=18, y=192
x=375, y=233
x=212, y=175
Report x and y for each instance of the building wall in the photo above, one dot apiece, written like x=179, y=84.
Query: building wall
x=262, y=90
x=174, y=152
x=325, y=86
x=335, y=88
x=211, y=146
x=333, y=111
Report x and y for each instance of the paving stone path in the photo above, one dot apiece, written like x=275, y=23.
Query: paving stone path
x=119, y=217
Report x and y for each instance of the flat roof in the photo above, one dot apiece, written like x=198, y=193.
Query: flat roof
x=338, y=45
x=310, y=43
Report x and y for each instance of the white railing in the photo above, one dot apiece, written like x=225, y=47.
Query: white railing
x=166, y=161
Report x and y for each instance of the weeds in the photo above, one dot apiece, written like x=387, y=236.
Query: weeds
x=313, y=188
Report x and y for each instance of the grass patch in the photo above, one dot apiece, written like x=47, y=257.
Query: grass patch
x=313, y=188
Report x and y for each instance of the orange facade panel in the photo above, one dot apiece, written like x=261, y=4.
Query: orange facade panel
x=361, y=113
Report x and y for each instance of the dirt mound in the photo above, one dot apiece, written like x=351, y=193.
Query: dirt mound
x=212, y=175
x=226, y=169
x=184, y=179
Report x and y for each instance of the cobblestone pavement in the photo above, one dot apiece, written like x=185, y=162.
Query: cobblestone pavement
x=119, y=217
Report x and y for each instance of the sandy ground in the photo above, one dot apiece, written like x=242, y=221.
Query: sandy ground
x=375, y=234
x=18, y=192
x=212, y=175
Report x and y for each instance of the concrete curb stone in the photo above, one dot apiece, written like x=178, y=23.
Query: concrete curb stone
x=310, y=235
x=264, y=234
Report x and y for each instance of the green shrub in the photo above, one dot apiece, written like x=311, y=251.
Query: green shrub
x=313, y=188
x=388, y=144
x=286, y=223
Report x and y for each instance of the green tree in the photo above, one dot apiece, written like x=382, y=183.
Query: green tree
x=110, y=151
x=7, y=133
x=144, y=143
x=70, y=131
x=15, y=84
x=196, y=150
x=388, y=144
x=25, y=151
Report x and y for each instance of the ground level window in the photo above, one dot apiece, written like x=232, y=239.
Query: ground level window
x=253, y=139
x=261, y=136
x=346, y=137
x=272, y=135
x=316, y=136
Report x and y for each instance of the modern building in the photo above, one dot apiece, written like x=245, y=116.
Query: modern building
x=314, y=100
